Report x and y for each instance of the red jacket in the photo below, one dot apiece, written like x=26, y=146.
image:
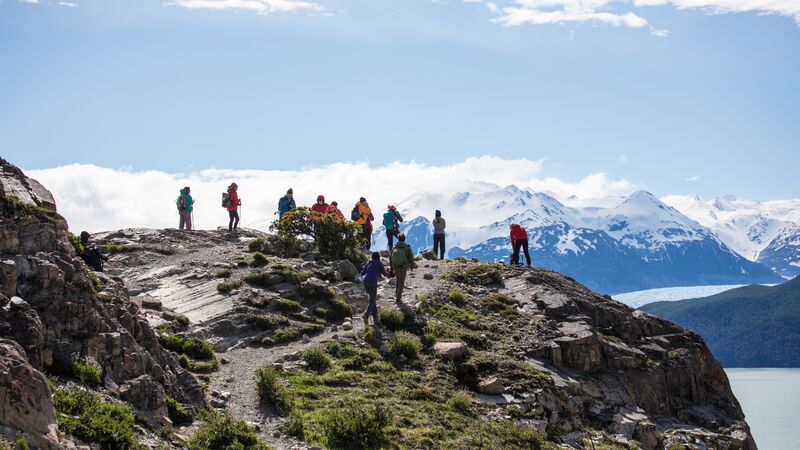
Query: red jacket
x=235, y=202
x=334, y=210
x=321, y=208
x=517, y=233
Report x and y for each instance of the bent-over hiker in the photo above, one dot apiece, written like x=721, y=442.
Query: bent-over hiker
x=401, y=261
x=91, y=254
x=372, y=271
x=519, y=239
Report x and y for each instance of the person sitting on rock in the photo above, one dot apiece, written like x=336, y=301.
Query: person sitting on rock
x=401, y=261
x=91, y=254
x=320, y=207
x=286, y=204
x=391, y=221
x=519, y=239
x=372, y=271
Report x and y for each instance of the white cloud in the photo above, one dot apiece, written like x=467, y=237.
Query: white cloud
x=68, y=4
x=623, y=159
x=96, y=198
x=693, y=179
x=258, y=6
x=32, y=2
x=789, y=8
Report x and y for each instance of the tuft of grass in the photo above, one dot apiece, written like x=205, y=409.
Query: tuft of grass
x=259, y=260
x=96, y=284
x=272, y=391
x=295, y=426
x=256, y=245
x=225, y=273
x=462, y=403
x=261, y=322
x=85, y=369
x=498, y=302
x=75, y=240
x=260, y=279
x=457, y=297
x=192, y=347
x=86, y=416
x=392, y=319
x=288, y=306
x=224, y=433
x=228, y=286
x=338, y=309
x=204, y=366
x=356, y=426
x=404, y=343
x=114, y=248
x=475, y=274
x=317, y=359
x=178, y=413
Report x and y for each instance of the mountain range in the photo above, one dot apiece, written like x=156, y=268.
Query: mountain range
x=640, y=242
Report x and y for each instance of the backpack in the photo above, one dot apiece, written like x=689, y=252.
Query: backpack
x=388, y=220
x=399, y=256
x=355, y=214
x=181, y=203
x=226, y=200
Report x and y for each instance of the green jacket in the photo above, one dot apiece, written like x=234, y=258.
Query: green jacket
x=409, y=257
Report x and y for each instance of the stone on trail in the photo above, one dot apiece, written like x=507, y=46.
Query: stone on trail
x=450, y=350
x=491, y=386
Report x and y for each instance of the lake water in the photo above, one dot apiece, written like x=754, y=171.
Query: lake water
x=770, y=399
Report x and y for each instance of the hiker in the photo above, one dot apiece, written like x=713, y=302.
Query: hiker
x=401, y=261
x=286, y=204
x=372, y=271
x=362, y=215
x=233, y=206
x=320, y=207
x=439, y=225
x=519, y=238
x=391, y=221
x=91, y=254
x=334, y=209
x=185, y=207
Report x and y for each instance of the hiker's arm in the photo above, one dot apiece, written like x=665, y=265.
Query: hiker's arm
x=399, y=217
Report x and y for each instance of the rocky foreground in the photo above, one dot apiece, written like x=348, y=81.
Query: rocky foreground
x=477, y=356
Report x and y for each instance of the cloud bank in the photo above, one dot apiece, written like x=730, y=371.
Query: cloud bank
x=258, y=6
x=96, y=198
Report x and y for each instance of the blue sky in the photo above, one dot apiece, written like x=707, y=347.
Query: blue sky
x=677, y=100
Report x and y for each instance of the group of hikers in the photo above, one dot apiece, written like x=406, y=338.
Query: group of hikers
x=401, y=255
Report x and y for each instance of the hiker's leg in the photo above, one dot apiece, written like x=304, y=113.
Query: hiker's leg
x=400, y=284
x=525, y=250
x=236, y=216
x=442, y=246
x=390, y=239
x=181, y=221
x=435, y=244
x=188, y=220
x=515, y=255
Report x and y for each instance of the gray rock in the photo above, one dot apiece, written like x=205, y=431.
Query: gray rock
x=450, y=350
x=346, y=269
x=491, y=386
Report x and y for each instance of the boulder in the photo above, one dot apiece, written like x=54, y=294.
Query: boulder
x=314, y=288
x=428, y=254
x=491, y=386
x=147, y=397
x=346, y=269
x=450, y=350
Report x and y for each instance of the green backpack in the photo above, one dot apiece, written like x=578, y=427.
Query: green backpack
x=399, y=256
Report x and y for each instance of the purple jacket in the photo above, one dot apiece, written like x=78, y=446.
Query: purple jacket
x=372, y=270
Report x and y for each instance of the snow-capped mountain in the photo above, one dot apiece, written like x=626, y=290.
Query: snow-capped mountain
x=767, y=232
x=637, y=244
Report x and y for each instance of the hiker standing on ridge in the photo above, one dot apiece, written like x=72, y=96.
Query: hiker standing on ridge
x=519, y=238
x=391, y=221
x=91, y=254
x=401, y=261
x=362, y=215
x=233, y=206
x=286, y=203
x=320, y=207
x=185, y=207
x=334, y=209
x=439, y=225
x=372, y=272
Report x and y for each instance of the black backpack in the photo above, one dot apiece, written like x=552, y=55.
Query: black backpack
x=226, y=200
x=355, y=214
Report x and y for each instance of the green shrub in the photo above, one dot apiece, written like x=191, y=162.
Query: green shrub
x=225, y=273
x=204, y=366
x=404, y=343
x=475, y=274
x=286, y=335
x=457, y=297
x=75, y=240
x=259, y=260
x=317, y=359
x=178, y=413
x=391, y=318
x=184, y=362
x=289, y=306
x=272, y=391
x=261, y=322
x=97, y=285
x=356, y=426
x=224, y=433
x=84, y=415
x=295, y=426
x=114, y=248
x=85, y=369
x=372, y=337
x=192, y=347
x=428, y=339
x=498, y=302
x=256, y=245
x=338, y=310
x=260, y=279
x=331, y=235
x=462, y=403
x=228, y=286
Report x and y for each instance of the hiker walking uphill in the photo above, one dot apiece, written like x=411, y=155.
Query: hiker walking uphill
x=320, y=207
x=519, y=239
x=362, y=215
x=439, y=225
x=372, y=271
x=91, y=255
x=391, y=221
x=232, y=204
x=401, y=261
x=286, y=204
x=185, y=205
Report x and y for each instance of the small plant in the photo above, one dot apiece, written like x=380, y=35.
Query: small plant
x=391, y=318
x=204, y=366
x=261, y=322
x=97, y=285
x=317, y=359
x=225, y=273
x=356, y=426
x=224, y=433
x=114, y=248
x=272, y=390
x=256, y=245
x=178, y=413
x=184, y=362
x=85, y=369
x=498, y=302
x=259, y=260
x=289, y=306
x=86, y=416
x=428, y=339
x=338, y=309
x=192, y=347
x=295, y=426
x=260, y=279
x=462, y=403
x=76, y=242
x=228, y=286
x=404, y=343
x=475, y=274
x=457, y=297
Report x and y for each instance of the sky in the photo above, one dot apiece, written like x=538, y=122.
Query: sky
x=673, y=96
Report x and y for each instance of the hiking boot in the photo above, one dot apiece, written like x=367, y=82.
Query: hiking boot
x=366, y=320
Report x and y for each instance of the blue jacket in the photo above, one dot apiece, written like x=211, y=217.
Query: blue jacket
x=372, y=270
x=285, y=204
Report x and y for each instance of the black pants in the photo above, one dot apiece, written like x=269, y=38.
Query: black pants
x=438, y=245
x=517, y=244
x=234, y=223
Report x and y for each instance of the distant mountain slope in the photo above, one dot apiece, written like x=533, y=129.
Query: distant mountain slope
x=752, y=326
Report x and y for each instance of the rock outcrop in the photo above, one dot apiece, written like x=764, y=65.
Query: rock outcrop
x=52, y=310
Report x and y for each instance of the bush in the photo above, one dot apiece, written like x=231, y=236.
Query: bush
x=317, y=359
x=475, y=274
x=226, y=273
x=462, y=403
x=391, y=318
x=272, y=391
x=192, y=347
x=84, y=415
x=428, y=339
x=260, y=279
x=256, y=245
x=332, y=235
x=204, y=366
x=356, y=426
x=499, y=303
x=261, y=322
x=457, y=297
x=114, y=248
x=406, y=344
x=75, y=240
x=338, y=310
x=228, y=286
x=259, y=260
x=295, y=426
x=97, y=285
x=85, y=369
x=289, y=306
x=177, y=413
x=223, y=433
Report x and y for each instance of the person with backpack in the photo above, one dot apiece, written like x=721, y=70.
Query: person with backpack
x=286, y=204
x=439, y=225
x=185, y=205
x=334, y=209
x=91, y=255
x=320, y=207
x=362, y=215
x=372, y=271
x=519, y=239
x=401, y=261
x=391, y=221
x=233, y=206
